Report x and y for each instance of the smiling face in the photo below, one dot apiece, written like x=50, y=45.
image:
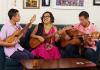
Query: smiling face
x=46, y=18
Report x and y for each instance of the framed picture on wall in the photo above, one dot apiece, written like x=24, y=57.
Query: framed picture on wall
x=96, y=2
x=45, y=2
x=69, y=4
x=31, y=4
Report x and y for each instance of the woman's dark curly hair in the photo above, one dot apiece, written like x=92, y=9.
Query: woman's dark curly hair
x=51, y=16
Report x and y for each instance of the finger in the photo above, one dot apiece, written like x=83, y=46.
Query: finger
x=30, y=26
x=33, y=18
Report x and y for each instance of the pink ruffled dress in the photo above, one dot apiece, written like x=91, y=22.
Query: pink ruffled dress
x=47, y=50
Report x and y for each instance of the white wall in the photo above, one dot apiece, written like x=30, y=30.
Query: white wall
x=61, y=16
x=3, y=6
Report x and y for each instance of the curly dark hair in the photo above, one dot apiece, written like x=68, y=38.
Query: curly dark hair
x=51, y=16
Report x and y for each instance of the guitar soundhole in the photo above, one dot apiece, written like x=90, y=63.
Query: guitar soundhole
x=16, y=35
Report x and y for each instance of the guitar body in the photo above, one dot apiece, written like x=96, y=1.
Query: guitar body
x=65, y=43
x=34, y=42
x=11, y=38
x=75, y=41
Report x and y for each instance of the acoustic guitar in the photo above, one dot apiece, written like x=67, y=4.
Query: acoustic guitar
x=34, y=42
x=20, y=33
x=76, y=34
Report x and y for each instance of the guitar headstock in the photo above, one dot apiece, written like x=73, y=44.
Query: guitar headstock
x=33, y=19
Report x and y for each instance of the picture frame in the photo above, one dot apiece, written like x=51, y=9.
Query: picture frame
x=31, y=4
x=69, y=4
x=46, y=3
x=96, y=2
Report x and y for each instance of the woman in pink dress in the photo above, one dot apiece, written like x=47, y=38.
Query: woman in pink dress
x=46, y=50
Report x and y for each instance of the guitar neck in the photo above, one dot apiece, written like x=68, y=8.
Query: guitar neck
x=55, y=33
x=24, y=30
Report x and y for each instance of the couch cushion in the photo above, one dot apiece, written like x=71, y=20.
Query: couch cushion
x=11, y=62
x=1, y=26
x=13, y=68
x=2, y=58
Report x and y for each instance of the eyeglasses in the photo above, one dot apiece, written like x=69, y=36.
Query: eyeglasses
x=46, y=16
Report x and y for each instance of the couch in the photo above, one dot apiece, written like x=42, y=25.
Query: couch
x=7, y=63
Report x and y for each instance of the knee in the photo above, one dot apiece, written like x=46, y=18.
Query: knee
x=89, y=52
x=91, y=55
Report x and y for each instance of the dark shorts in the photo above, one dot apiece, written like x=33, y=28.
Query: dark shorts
x=20, y=55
